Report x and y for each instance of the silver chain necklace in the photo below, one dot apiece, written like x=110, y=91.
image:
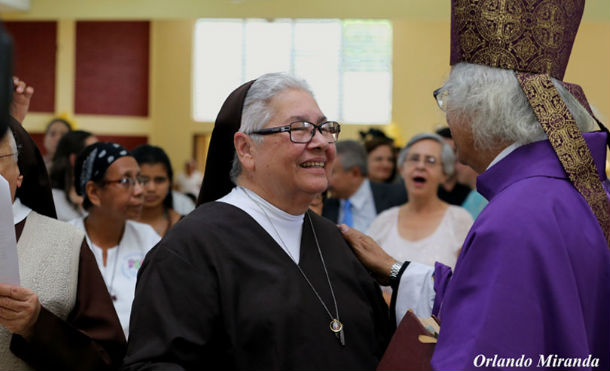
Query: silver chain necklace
x=336, y=326
x=111, y=286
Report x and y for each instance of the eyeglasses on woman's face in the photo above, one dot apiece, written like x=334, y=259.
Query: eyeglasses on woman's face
x=16, y=153
x=303, y=131
x=415, y=159
x=127, y=181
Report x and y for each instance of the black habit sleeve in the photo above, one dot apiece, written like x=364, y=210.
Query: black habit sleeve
x=180, y=298
x=90, y=339
x=218, y=293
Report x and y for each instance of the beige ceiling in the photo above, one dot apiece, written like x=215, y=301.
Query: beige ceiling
x=595, y=10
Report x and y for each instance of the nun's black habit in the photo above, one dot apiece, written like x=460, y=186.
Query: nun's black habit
x=219, y=293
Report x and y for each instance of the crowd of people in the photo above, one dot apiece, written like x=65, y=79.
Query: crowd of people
x=489, y=226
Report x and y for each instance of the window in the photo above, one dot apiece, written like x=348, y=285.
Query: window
x=347, y=63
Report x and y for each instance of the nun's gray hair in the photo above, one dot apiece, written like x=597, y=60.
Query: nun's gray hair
x=256, y=111
x=447, y=154
x=492, y=101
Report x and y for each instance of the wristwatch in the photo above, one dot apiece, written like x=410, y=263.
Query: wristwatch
x=394, y=272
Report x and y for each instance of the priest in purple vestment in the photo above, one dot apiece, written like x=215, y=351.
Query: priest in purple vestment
x=531, y=287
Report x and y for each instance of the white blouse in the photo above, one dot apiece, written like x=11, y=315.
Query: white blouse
x=441, y=246
x=122, y=264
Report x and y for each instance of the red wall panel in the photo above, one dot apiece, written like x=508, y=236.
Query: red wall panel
x=129, y=142
x=35, y=48
x=112, y=65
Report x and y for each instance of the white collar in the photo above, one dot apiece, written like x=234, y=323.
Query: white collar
x=286, y=229
x=20, y=211
x=360, y=197
x=505, y=152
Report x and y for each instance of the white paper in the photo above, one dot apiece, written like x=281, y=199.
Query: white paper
x=9, y=265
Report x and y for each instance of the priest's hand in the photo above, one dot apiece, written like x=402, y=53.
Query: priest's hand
x=19, y=309
x=374, y=258
x=20, y=104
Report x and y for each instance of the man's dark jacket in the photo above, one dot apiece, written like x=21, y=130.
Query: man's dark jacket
x=385, y=196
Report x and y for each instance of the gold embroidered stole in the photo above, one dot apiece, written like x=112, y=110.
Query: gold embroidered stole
x=568, y=143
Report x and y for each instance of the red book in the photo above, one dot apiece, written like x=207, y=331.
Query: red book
x=411, y=346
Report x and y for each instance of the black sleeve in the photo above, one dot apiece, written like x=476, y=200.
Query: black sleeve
x=174, y=314
x=394, y=284
x=90, y=339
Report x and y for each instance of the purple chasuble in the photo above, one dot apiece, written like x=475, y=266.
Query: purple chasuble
x=533, y=277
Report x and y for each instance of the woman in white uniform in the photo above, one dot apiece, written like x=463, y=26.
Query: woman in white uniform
x=108, y=178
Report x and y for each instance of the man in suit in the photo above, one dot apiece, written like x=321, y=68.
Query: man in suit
x=355, y=200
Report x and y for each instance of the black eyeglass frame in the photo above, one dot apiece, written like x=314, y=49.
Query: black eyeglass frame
x=10, y=154
x=443, y=93
x=288, y=128
x=19, y=146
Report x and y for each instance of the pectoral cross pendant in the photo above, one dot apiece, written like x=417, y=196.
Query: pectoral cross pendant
x=337, y=327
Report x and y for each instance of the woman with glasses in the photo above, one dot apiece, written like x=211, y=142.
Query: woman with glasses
x=157, y=176
x=425, y=229
x=108, y=178
x=56, y=315
x=251, y=279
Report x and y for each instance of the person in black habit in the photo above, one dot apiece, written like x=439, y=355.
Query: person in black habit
x=251, y=279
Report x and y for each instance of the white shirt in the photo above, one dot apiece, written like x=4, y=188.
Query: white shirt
x=415, y=291
x=442, y=245
x=182, y=203
x=122, y=264
x=64, y=209
x=189, y=183
x=363, y=207
x=286, y=229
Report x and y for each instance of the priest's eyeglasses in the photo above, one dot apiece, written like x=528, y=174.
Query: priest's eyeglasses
x=303, y=131
x=126, y=181
x=441, y=96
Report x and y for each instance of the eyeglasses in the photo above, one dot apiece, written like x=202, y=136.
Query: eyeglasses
x=13, y=153
x=126, y=181
x=303, y=131
x=429, y=161
x=441, y=95
x=157, y=180
x=9, y=154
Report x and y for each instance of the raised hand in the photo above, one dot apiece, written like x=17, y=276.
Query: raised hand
x=369, y=253
x=22, y=94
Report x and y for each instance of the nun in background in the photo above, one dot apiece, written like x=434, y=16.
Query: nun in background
x=61, y=317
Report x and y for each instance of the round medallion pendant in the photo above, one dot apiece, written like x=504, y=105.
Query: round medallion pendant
x=336, y=326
